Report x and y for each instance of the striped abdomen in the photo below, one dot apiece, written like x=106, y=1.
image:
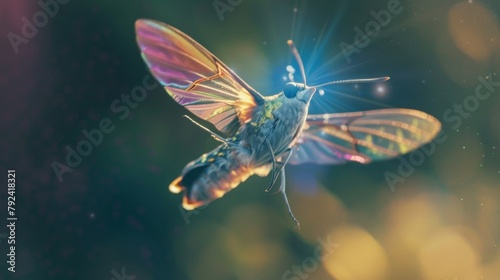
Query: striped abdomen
x=211, y=176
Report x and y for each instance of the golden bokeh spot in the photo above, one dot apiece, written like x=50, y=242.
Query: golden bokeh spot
x=200, y=254
x=492, y=269
x=317, y=212
x=358, y=257
x=474, y=30
x=411, y=220
x=252, y=243
x=448, y=255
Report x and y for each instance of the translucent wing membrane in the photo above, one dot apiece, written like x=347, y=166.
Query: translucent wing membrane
x=363, y=136
x=194, y=77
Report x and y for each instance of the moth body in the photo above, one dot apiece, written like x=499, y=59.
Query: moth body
x=277, y=122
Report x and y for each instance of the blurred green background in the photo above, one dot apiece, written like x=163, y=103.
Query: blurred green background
x=112, y=217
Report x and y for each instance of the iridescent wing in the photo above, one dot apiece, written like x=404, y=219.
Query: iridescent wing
x=363, y=136
x=194, y=77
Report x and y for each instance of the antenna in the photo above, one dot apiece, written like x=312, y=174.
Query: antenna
x=299, y=60
x=353, y=81
x=296, y=54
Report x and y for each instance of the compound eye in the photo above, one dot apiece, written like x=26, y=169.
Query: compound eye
x=290, y=90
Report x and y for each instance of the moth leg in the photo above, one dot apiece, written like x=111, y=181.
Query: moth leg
x=281, y=166
x=276, y=164
x=213, y=134
x=282, y=190
x=273, y=170
x=283, y=182
x=282, y=185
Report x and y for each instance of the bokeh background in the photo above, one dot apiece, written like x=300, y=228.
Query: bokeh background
x=112, y=217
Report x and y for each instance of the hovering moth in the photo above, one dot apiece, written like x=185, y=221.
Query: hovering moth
x=262, y=134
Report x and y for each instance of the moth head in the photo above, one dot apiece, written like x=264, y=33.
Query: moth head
x=290, y=90
x=297, y=90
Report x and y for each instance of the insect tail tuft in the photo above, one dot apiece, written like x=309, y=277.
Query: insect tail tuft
x=175, y=186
